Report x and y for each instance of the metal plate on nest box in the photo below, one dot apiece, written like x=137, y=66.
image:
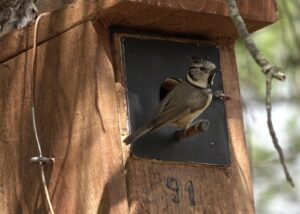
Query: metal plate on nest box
x=147, y=63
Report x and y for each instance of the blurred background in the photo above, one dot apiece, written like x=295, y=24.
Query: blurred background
x=281, y=44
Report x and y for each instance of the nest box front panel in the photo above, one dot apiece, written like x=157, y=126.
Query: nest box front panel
x=147, y=64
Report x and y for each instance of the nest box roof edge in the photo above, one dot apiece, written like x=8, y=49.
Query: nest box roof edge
x=201, y=17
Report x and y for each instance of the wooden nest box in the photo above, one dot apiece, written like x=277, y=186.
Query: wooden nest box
x=99, y=68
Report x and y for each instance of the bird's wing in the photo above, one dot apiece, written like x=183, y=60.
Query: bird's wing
x=172, y=107
x=166, y=111
x=172, y=114
x=178, y=104
x=163, y=104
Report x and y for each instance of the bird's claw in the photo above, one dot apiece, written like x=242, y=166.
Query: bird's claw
x=221, y=95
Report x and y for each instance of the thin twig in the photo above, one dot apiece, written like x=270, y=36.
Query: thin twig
x=272, y=131
x=42, y=171
x=270, y=71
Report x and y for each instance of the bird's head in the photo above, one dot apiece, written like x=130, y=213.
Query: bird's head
x=201, y=73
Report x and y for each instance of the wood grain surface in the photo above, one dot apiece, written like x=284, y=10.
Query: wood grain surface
x=201, y=17
x=75, y=109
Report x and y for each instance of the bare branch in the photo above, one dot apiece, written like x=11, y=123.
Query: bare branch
x=240, y=25
x=270, y=71
x=272, y=131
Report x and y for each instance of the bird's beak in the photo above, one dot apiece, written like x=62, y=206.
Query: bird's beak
x=215, y=71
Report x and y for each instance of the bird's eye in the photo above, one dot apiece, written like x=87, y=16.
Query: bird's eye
x=204, y=69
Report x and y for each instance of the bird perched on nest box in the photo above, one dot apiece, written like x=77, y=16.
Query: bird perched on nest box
x=183, y=104
x=15, y=14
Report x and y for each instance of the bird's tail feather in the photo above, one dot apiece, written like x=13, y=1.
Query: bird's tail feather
x=136, y=135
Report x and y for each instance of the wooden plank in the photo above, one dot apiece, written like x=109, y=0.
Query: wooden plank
x=160, y=187
x=171, y=16
x=207, y=18
x=76, y=117
x=260, y=10
x=46, y=6
x=165, y=187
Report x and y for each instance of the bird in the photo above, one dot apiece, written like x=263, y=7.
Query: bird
x=185, y=102
x=15, y=14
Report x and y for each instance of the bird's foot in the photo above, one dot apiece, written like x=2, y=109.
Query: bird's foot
x=220, y=94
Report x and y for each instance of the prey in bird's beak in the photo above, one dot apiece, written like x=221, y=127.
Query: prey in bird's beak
x=212, y=76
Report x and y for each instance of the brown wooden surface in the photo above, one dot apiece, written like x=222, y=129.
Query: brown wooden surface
x=76, y=108
x=263, y=10
x=215, y=190
x=57, y=22
x=50, y=5
x=201, y=18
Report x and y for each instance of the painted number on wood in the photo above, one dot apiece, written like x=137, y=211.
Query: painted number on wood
x=190, y=189
x=174, y=185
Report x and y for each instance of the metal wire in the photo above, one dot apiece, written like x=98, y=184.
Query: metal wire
x=42, y=171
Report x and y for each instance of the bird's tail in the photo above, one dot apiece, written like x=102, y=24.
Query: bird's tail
x=137, y=134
